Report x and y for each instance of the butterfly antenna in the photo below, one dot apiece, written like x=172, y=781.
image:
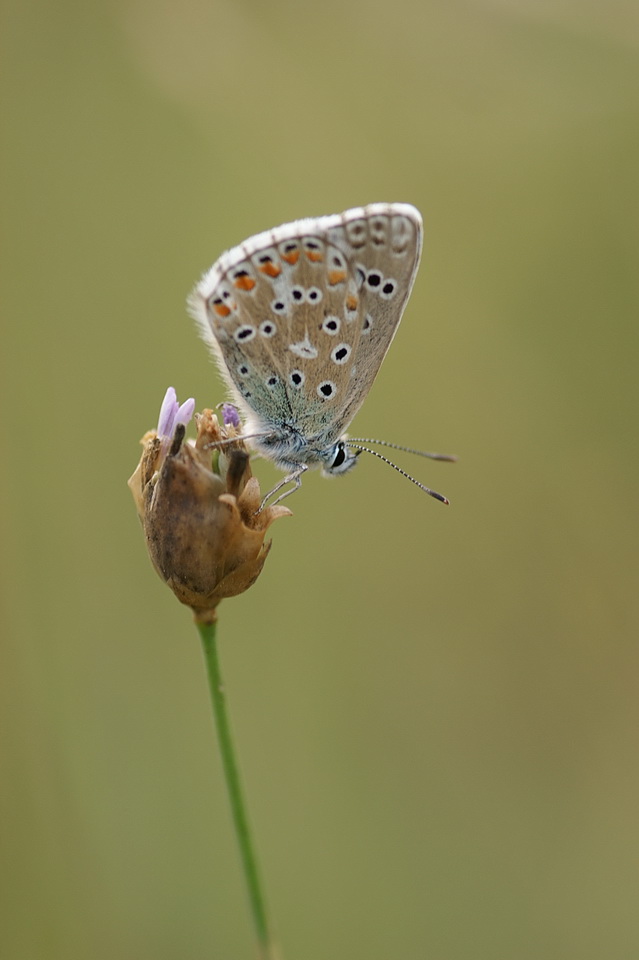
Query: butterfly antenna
x=431, y=493
x=420, y=453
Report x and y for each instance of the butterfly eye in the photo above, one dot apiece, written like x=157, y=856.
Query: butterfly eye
x=340, y=456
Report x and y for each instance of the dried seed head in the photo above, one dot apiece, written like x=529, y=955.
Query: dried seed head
x=203, y=533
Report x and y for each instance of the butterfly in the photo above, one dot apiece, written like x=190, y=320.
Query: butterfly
x=299, y=320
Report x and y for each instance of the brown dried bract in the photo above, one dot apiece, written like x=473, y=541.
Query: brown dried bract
x=204, y=535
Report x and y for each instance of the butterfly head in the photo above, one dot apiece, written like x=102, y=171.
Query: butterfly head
x=339, y=459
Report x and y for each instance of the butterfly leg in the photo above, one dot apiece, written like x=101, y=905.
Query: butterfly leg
x=295, y=477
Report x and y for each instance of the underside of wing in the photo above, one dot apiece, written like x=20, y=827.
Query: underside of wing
x=301, y=317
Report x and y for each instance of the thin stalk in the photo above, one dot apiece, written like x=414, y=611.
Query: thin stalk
x=238, y=806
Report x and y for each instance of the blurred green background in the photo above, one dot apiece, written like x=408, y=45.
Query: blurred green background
x=436, y=708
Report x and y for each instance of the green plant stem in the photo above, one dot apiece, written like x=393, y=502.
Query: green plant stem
x=238, y=807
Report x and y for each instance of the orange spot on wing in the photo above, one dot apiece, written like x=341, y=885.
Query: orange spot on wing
x=314, y=256
x=244, y=283
x=336, y=276
x=271, y=269
x=291, y=257
x=221, y=309
x=351, y=303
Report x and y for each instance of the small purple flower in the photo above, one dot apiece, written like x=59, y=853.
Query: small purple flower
x=172, y=414
x=230, y=415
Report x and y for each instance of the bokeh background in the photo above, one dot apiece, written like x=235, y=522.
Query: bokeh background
x=436, y=708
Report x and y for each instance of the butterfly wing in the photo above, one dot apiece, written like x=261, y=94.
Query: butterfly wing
x=301, y=317
x=384, y=243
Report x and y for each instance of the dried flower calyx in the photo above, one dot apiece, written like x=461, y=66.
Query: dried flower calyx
x=198, y=506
